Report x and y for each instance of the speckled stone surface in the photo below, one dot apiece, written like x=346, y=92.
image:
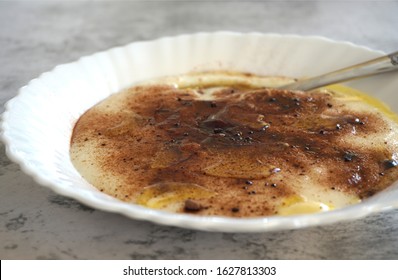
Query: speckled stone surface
x=35, y=223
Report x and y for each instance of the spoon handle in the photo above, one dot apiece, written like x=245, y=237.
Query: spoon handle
x=375, y=66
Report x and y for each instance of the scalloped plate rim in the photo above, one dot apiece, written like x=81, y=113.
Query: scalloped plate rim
x=206, y=223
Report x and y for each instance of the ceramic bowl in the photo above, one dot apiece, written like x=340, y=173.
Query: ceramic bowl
x=37, y=124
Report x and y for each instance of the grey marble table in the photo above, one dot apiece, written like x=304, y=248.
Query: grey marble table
x=35, y=36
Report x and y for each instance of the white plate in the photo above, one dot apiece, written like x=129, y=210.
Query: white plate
x=37, y=124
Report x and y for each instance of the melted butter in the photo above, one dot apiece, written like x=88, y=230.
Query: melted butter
x=221, y=79
x=236, y=169
x=295, y=205
x=305, y=207
x=348, y=93
x=301, y=204
x=171, y=195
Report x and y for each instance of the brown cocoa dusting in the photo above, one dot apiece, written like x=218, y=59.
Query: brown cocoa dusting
x=236, y=139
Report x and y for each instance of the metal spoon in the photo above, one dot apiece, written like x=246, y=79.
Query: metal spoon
x=379, y=65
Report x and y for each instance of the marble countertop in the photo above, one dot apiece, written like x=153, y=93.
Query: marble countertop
x=36, y=223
